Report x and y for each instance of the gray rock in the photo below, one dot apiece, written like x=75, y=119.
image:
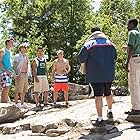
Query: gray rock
x=133, y=118
x=8, y=130
x=1, y=127
x=55, y=132
x=9, y=113
x=38, y=128
x=25, y=126
x=51, y=126
x=75, y=89
x=70, y=122
x=81, y=97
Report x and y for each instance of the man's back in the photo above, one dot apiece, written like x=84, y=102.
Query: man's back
x=99, y=55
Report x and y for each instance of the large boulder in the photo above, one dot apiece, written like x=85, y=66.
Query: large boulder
x=75, y=89
x=9, y=113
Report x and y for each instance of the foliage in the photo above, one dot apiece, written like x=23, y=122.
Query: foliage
x=52, y=24
x=113, y=20
x=59, y=24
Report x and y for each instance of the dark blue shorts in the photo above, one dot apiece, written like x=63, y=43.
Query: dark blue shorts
x=101, y=89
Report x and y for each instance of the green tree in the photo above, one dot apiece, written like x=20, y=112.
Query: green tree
x=112, y=17
x=53, y=24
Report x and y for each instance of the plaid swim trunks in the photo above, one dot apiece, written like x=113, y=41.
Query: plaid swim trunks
x=6, y=79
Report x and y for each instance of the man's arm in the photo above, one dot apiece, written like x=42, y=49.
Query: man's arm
x=46, y=70
x=83, y=55
x=1, y=64
x=129, y=55
x=68, y=67
x=34, y=71
x=130, y=49
x=53, y=68
x=15, y=64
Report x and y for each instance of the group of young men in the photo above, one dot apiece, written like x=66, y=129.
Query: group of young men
x=98, y=55
x=21, y=68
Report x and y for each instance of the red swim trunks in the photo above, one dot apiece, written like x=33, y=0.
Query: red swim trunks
x=61, y=86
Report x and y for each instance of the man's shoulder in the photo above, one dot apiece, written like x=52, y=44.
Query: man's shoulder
x=65, y=60
x=90, y=42
x=2, y=49
x=134, y=32
x=17, y=55
x=55, y=61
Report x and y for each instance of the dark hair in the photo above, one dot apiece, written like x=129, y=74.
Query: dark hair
x=95, y=28
x=9, y=39
x=39, y=48
x=133, y=21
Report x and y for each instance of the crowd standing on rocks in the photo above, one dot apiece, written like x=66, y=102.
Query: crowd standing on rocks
x=97, y=56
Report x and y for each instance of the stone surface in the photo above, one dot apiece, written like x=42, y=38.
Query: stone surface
x=75, y=89
x=70, y=122
x=55, y=132
x=9, y=113
x=82, y=112
x=133, y=118
x=9, y=130
x=51, y=126
x=38, y=128
x=25, y=126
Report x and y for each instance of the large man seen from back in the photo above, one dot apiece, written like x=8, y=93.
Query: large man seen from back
x=99, y=55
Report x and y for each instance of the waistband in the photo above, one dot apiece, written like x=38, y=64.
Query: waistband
x=61, y=78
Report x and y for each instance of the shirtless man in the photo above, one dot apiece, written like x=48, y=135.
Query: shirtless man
x=60, y=70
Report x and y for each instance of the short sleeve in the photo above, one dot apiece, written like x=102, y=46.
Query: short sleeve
x=16, y=58
x=131, y=39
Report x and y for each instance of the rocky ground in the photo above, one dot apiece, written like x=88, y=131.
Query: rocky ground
x=73, y=123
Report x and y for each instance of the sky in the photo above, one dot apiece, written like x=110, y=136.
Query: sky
x=96, y=4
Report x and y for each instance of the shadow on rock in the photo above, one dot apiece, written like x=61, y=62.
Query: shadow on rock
x=105, y=132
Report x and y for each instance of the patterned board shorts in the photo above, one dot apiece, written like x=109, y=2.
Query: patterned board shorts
x=6, y=79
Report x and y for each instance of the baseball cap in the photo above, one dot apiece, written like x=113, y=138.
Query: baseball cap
x=23, y=45
x=59, y=51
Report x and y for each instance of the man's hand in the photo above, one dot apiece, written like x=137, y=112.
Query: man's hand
x=66, y=71
x=17, y=77
x=36, y=79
